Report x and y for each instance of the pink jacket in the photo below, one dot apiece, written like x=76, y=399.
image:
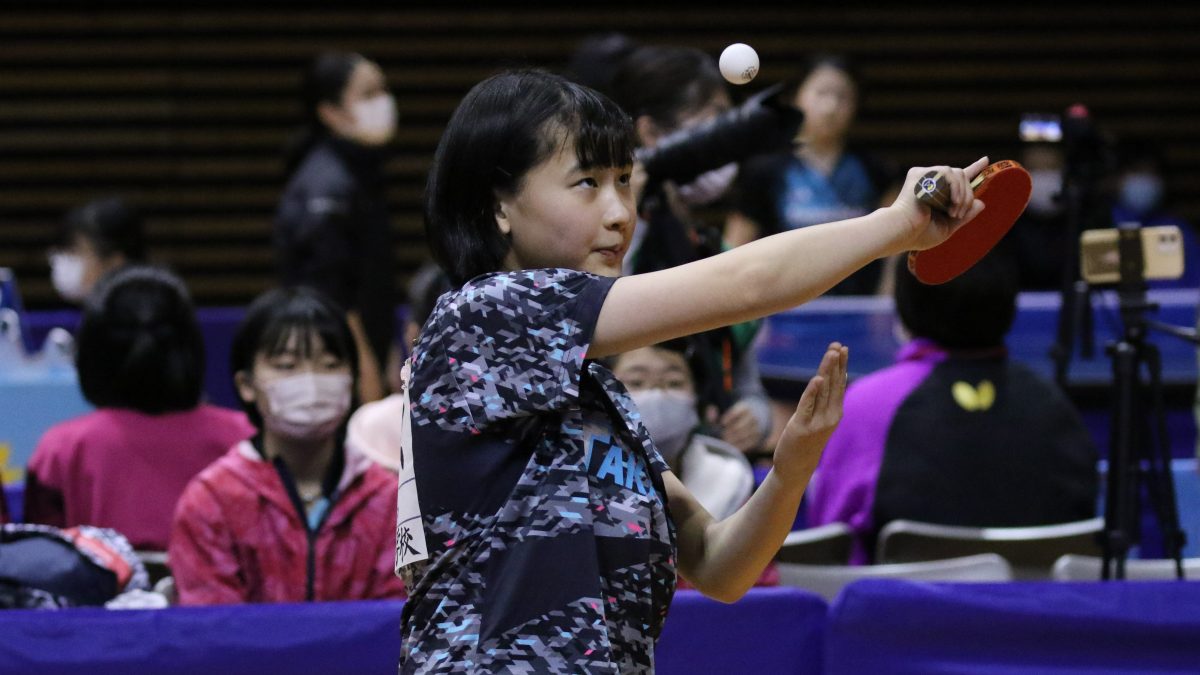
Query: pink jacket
x=238, y=537
x=125, y=469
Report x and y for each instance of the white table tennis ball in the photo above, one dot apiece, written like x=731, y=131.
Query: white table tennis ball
x=739, y=63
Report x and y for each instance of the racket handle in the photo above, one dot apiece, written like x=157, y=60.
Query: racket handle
x=934, y=191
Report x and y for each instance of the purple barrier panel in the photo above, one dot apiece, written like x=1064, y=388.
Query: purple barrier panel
x=770, y=630
x=890, y=626
x=219, y=325
x=357, y=637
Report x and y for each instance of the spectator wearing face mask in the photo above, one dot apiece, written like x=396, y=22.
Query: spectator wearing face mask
x=1038, y=240
x=332, y=229
x=661, y=383
x=1141, y=197
x=96, y=239
x=297, y=513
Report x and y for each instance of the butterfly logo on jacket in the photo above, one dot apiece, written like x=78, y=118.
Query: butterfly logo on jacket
x=974, y=399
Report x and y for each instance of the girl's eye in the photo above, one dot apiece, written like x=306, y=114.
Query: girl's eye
x=624, y=179
x=588, y=182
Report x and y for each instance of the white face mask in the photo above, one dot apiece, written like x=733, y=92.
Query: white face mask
x=306, y=406
x=708, y=187
x=1047, y=183
x=374, y=119
x=66, y=274
x=1141, y=192
x=669, y=416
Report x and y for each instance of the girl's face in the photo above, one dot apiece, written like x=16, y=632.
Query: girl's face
x=567, y=216
x=301, y=394
x=76, y=269
x=654, y=368
x=367, y=111
x=829, y=100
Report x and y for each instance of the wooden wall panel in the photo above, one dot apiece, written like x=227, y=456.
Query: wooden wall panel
x=184, y=108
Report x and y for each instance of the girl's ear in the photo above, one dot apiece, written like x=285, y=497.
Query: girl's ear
x=502, y=222
x=334, y=117
x=245, y=386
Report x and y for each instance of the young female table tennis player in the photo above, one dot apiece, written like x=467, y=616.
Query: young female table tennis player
x=554, y=529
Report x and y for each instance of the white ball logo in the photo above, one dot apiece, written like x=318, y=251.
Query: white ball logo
x=738, y=63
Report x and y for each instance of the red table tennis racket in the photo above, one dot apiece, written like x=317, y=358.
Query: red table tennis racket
x=1004, y=188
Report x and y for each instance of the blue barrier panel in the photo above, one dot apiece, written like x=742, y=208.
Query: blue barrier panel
x=898, y=627
x=771, y=630
x=768, y=631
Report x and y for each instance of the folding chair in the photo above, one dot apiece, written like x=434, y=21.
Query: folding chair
x=823, y=545
x=828, y=580
x=1072, y=567
x=1031, y=551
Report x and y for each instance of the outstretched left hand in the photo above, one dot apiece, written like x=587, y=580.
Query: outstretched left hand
x=817, y=415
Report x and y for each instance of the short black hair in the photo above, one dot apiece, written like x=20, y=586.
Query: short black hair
x=666, y=83
x=271, y=320
x=972, y=311
x=139, y=345
x=505, y=126
x=110, y=224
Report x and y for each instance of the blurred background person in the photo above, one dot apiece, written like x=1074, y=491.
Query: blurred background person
x=955, y=433
x=1038, y=239
x=95, y=239
x=332, y=229
x=661, y=381
x=141, y=361
x=296, y=513
x=823, y=179
x=1141, y=197
x=667, y=90
x=594, y=62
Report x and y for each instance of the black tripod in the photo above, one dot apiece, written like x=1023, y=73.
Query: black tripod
x=1085, y=163
x=1139, y=454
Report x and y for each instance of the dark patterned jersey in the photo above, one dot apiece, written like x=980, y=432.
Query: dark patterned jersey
x=550, y=545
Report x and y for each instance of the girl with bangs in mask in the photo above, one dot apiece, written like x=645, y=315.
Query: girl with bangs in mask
x=332, y=230
x=661, y=380
x=297, y=513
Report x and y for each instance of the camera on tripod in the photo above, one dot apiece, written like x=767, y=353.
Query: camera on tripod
x=1131, y=254
x=765, y=122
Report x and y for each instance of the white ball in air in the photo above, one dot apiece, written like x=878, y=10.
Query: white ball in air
x=739, y=63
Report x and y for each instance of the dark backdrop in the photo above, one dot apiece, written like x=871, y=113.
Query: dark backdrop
x=185, y=108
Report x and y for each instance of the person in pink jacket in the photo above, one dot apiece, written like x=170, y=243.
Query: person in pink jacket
x=296, y=513
x=140, y=359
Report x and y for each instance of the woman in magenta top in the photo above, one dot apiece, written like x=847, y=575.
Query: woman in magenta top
x=141, y=362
